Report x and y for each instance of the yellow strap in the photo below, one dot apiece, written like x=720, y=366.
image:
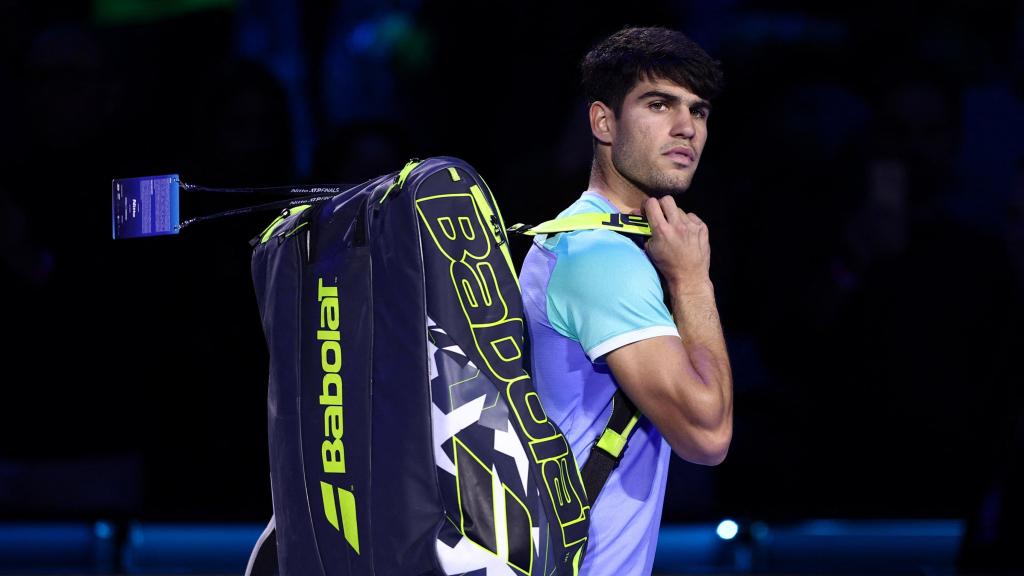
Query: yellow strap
x=613, y=442
x=401, y=178
x=631, y=223
x=269, y=230
x=491, y=220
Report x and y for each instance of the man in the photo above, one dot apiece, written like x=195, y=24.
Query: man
x=595, y=307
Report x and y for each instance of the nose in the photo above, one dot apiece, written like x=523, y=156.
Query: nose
x=683, y=125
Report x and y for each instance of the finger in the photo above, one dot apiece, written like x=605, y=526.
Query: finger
x=669, y=208
x=654, y=213
x=693, y=218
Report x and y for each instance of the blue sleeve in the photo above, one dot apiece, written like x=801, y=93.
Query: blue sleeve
x=605, y=293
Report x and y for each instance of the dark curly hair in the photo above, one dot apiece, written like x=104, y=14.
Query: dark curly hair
x=611, y=69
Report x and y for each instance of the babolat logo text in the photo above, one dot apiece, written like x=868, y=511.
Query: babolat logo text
x=484, y=290
x=620, y=220
x=333, y=448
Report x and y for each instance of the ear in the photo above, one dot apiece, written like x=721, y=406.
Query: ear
x=602, y=122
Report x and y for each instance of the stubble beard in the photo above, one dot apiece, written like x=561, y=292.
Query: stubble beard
x=645, y=175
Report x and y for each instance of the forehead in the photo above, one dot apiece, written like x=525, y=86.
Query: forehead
x=663, y=86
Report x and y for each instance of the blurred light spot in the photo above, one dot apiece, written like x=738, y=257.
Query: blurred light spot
x=727, y=529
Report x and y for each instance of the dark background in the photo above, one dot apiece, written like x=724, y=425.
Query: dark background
x=863, y=183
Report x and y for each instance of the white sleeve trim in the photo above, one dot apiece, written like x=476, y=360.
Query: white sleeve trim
x=628, y=338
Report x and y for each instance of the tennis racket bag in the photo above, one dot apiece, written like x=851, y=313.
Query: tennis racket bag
x=405, y=434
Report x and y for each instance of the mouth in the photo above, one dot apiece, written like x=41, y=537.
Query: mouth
x=680, y=155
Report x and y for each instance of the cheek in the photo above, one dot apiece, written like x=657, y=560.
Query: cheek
x=642, y=142
x=701, y=138
x=645, y=133
x=631, y=142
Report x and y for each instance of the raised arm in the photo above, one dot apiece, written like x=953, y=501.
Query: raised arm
x=683, y=386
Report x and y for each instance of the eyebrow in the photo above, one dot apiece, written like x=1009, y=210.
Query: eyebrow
x=673, y=99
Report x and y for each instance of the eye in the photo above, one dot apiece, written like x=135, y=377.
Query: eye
x=701, y=113
x=658, y=105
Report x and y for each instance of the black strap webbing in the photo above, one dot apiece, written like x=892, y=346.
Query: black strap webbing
x=610, y=446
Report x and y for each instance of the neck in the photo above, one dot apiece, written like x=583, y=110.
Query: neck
x=619, y=191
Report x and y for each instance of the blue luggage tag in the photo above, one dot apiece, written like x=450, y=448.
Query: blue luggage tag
x=146, y=206
x=150, y=205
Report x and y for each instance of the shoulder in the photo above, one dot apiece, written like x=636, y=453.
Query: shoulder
x=605, y=293
x=601, y=252
x=600, y=266
x=587, y=203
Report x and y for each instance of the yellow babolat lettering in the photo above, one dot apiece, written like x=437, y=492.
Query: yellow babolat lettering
x=468, y=290
x=467, y=228
x=537, y=413
x=447, y=227
x=516, y=354
x=488, y=272
x=476, y=282
x=473, y=277
x=333, y=447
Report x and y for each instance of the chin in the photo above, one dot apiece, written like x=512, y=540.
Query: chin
x=673, y=190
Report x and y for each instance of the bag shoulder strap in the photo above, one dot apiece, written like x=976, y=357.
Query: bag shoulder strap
x=607, y=451
x=622, y=223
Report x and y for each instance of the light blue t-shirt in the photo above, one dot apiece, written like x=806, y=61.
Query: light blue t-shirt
x=586, y=293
